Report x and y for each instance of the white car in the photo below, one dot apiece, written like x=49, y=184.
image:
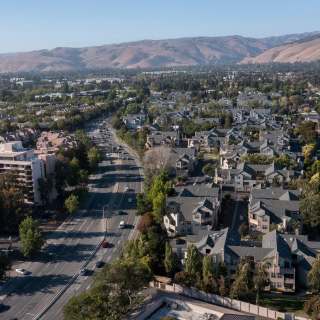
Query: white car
x=126, y=189
x=83, y=271
x=22, y=271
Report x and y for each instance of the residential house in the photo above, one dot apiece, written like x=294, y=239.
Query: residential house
x=245, y=176
x=182, y=161
x=192, y=209
x=288, y=257
x=135, y=121
x=159, y=138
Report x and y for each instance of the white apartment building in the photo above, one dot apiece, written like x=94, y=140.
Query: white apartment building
x=29, y=168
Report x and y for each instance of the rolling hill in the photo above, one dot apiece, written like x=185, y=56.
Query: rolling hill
x=146, y=53
x=299, y=51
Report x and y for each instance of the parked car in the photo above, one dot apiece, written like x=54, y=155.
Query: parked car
x=126, y=189
x=119, y=212
x=180, y=184
x=122, y=225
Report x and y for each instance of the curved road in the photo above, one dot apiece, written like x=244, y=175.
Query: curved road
x=69, y=248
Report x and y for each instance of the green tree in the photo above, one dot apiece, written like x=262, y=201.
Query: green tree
x=308, y=131
x=256, y=158
x=243, y=230
x=5, y=265
x=159, y=207
x=12, y=206
x=260, y=279
x=72, y=203
x=94, y=157
x=144, y=204
x=207, y=268
x=63, y=170
x=45, y=187
x=285, y=162
x=243, y=282
x=310, y=205
x=31, y=237
x=313, y=277
x=209, y=169
x=193, y=262
x=170, y=260
x=126, y=276
x=315, y=167
x=312, y=307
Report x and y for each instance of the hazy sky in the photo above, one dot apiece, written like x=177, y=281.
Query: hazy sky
x=34, y=24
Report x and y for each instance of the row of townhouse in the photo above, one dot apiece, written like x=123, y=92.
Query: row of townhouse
x=274, y=206
x=210, y=140
x=26, y=136
x=270, y=144
x=51, y=142
x=135, y=121
x=246, y=176
x=289, y=258
x=182, y=161
x=160, y=138
x=193, y=208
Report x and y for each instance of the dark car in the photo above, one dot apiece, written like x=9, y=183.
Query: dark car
x=99, y=264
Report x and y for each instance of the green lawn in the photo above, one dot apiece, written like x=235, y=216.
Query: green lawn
x=285, y=304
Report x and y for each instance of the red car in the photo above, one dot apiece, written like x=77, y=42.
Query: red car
x=104, y=244
x=180, y=184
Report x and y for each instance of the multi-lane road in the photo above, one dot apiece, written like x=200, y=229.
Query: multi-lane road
x=118, y=179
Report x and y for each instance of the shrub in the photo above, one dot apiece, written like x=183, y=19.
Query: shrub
x=145, y=222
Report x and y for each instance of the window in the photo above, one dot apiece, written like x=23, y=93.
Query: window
x=264, y=226
x=273, y=275
x=279, y=275
x=279, y=284
x=265, y=219
x=273, y=284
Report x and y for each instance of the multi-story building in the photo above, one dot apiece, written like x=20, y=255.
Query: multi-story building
x=289, y=258
x=28, y=167
x=246, y=176
x=194, y=208
x=274, y=206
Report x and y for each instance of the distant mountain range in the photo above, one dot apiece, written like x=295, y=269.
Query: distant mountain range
x=168, y=53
